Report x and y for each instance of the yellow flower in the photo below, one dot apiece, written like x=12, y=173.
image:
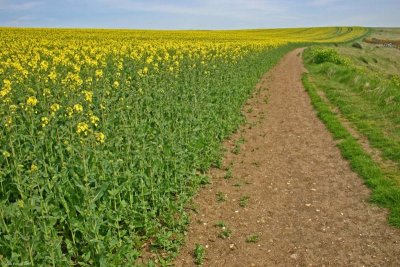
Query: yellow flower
x=55, y=107
x=13, y=108
x=32, y=101
x=52, y=75
x=6, y=154
x=70, y=112
x=99, y=73
x=143, y=72
x=44, y=65
x=100, y=137
x=94, y=119
x=7, y=83
x=46, y=92
x=8, y=122
x=6, y=88
x=78, y=108
x=116, y=84
x=34, y=168
x=82, y=127
x=4, y=92
x=45, y=121
x=88, y=95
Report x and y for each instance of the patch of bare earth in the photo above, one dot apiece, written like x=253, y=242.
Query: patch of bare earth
x=304, y=203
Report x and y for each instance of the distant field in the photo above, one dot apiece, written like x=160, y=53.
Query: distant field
x=105, y=134
x=386, y=33
x=376, y=57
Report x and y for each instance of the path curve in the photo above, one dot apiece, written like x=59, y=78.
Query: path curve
x=305, y=204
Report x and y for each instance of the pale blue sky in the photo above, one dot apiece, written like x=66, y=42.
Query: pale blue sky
x=198, y=14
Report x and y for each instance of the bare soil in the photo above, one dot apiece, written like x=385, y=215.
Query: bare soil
x=304, y=202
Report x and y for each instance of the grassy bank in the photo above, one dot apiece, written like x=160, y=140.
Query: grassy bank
x=371, y=103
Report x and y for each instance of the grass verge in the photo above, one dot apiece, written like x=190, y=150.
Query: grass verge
x=384, y=190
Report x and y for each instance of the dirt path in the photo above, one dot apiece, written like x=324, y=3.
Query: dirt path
x=305, y=204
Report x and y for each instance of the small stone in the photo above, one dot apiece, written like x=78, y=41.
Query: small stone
x=308, y=205
x=232, y=246
x=294, y=256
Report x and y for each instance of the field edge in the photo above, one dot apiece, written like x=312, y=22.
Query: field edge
x=384, y=193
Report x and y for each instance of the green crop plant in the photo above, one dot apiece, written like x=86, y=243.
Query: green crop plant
x=199, y=253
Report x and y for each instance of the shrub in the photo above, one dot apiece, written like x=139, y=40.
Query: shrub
x=322, y=55
x=357, y=45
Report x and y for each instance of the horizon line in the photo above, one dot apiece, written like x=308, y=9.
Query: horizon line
x=188, y=29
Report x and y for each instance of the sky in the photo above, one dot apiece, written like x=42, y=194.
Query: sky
x=198, y=14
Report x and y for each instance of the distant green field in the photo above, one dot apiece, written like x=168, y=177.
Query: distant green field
x=376, y=58
x=386, y=33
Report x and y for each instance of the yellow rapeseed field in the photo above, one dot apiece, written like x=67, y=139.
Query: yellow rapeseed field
x=104, y=134
x=57, y=71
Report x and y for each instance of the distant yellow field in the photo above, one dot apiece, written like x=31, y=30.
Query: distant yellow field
x=73, y=61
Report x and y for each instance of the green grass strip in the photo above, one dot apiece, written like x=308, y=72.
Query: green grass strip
x=365, y=112
x=384, y=191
